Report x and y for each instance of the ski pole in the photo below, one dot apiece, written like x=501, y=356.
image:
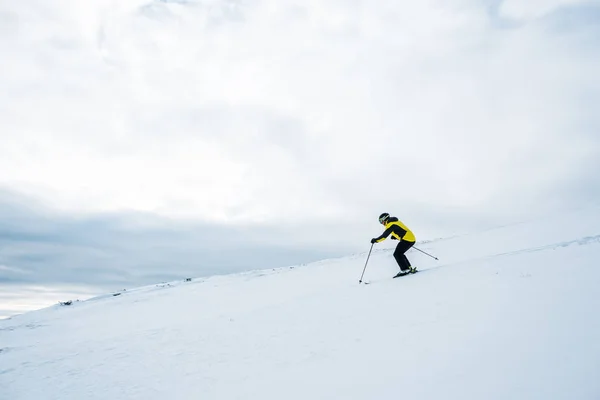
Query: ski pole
x=360, y=280
x=425, y=253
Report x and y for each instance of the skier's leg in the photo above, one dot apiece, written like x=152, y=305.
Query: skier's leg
x=400, y=257
x=400, y=261
x=406, y=261
x=408, y=246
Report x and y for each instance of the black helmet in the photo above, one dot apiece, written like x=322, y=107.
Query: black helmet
x=384, y=217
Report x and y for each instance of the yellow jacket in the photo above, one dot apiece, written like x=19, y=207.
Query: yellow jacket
x=398, y=231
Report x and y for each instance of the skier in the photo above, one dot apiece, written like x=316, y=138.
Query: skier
x=400, y=232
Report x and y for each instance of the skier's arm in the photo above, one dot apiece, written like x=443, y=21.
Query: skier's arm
x=385, y=234
x=393, y=228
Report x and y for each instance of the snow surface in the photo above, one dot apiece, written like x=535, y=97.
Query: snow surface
x=510, y=313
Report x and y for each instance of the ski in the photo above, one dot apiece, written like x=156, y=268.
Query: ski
x=399, y=275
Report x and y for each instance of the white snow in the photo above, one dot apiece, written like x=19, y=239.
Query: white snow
x=511, y=313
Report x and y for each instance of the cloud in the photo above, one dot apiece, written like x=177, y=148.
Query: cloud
x=12, y=270
x=536, y=8
x=315, y=113
x=115, y=251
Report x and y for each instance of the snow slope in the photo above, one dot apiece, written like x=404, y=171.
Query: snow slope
x=511, y=313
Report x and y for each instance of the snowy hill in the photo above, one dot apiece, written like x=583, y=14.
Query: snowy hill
x=510, y=313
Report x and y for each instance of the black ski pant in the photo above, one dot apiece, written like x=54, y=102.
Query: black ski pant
x=401, y=259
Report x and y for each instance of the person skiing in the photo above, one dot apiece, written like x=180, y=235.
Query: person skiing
x=399, y=232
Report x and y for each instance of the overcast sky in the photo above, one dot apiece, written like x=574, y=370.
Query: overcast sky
x=143, y=140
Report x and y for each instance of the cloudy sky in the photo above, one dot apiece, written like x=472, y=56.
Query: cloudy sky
x=148, y=140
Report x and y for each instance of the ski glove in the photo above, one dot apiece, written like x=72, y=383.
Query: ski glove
x=373, y=241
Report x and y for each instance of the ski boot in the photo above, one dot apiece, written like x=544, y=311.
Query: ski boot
x=402, y=273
